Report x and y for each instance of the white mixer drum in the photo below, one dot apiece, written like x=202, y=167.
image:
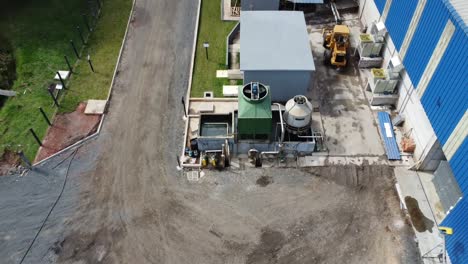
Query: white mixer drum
x=297, y=115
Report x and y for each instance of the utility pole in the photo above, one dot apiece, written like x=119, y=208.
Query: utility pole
x=86, y=22
x=206, y=45
x=39, y=142
x=25, y=159
x=61, y=80
x=81, y=35
x=53, y=97
x=90, y=63
x=183, y=104
x=68, y=64
x=74, y=49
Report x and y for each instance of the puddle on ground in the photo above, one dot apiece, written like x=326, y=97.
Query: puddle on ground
x=420, y=222
x=264, y=181
x=271, y=242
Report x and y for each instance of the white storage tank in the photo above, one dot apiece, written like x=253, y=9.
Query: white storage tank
x=297, y=115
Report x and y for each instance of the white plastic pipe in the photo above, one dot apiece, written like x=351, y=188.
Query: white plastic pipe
x=268, y=152
x=282, y=124
x=309, y=136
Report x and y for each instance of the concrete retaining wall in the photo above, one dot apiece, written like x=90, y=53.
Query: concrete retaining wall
x=230, y=39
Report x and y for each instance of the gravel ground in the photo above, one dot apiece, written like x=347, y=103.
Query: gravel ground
x=123, y=201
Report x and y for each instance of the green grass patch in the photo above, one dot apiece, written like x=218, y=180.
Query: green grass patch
x=104, y=46
x=39, y=32
x=215, y=31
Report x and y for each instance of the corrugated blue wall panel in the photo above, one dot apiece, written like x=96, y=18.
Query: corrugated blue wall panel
x=425, y=39
x=388, y=136
x=457, y=244
x=457, y=13
x=446, y=97
x=380, y=5
x=399, y=18
x=459, y=165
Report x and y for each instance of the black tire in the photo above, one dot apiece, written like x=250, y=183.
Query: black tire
x=348, y=57
x=327, y=57
x=324, y=44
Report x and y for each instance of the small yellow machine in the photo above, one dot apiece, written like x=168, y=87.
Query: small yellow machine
x=336, y=42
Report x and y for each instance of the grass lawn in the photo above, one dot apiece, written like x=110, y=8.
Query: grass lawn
x=39, y=32
x=215, y=31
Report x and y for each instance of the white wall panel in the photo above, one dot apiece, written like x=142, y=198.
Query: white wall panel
x=412, y=28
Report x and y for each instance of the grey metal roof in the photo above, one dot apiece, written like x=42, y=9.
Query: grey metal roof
x=459, y=10
x=274, y=40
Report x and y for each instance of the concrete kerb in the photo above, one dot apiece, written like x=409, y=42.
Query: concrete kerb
x=192, y=63
x=222, y=10
x=224, y=99
x=189, y=88
x=109, y=95
x=229, y=39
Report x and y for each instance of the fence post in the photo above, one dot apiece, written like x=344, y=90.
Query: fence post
x=35, y=137
x=68, y=64
x=45, y=116
x=25, y=159
x=86, y=22
x=74, y=49
x=61, y=80
x=81, y=35
x=53, y=97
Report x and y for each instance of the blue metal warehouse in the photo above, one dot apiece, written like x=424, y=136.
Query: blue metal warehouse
x=431, y=38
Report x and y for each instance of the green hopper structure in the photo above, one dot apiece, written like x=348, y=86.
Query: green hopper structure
x=254, y=114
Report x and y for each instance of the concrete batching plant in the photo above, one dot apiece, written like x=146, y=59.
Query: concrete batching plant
x=252, y=123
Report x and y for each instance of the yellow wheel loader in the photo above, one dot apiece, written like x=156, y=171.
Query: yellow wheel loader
x=336, y=42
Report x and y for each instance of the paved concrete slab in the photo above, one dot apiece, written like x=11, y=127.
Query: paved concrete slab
x=230, y=90
x=220, y=106
x=424, y=223
x=226, y=11
x=311, y=161
x=235, y=74
x=349, y=123
x=323, y=159
x=432, y=196
x=221, y=74
x=94, y=107
x=7, y=93
x=63, y=74
x=206, y=107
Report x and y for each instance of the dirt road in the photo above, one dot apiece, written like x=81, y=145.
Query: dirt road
x=125, y=202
